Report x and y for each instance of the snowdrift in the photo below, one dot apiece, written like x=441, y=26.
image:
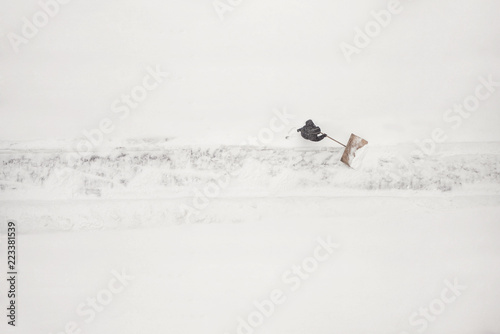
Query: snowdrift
x=103, y=189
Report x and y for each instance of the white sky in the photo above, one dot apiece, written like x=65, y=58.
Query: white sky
x=228, y=76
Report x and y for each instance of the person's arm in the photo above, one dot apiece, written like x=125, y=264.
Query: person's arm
x=316, y=130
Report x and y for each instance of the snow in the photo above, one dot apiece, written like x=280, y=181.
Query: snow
x=190, y=210
x=228, y=76
x=207, y=232
x=358, y=157
x=195, y=278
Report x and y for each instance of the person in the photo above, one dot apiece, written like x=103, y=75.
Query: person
x=311, y=132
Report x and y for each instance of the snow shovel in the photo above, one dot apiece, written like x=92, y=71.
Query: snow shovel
x=354, y=144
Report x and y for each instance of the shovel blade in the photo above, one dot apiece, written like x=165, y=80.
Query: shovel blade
x=354, y=144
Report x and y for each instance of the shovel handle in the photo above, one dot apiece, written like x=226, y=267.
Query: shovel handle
x=333, y=139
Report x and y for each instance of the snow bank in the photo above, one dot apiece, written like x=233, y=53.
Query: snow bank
x=122, y=185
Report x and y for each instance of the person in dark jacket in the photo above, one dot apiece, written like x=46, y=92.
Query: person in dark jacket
x=311, y=132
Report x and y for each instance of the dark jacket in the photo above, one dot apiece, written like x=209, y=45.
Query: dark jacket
x=310, y=131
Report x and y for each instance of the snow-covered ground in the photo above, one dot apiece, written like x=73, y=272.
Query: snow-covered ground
x=156, y=185
x=392, y=261
x=143, y=158
x=202, y=237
